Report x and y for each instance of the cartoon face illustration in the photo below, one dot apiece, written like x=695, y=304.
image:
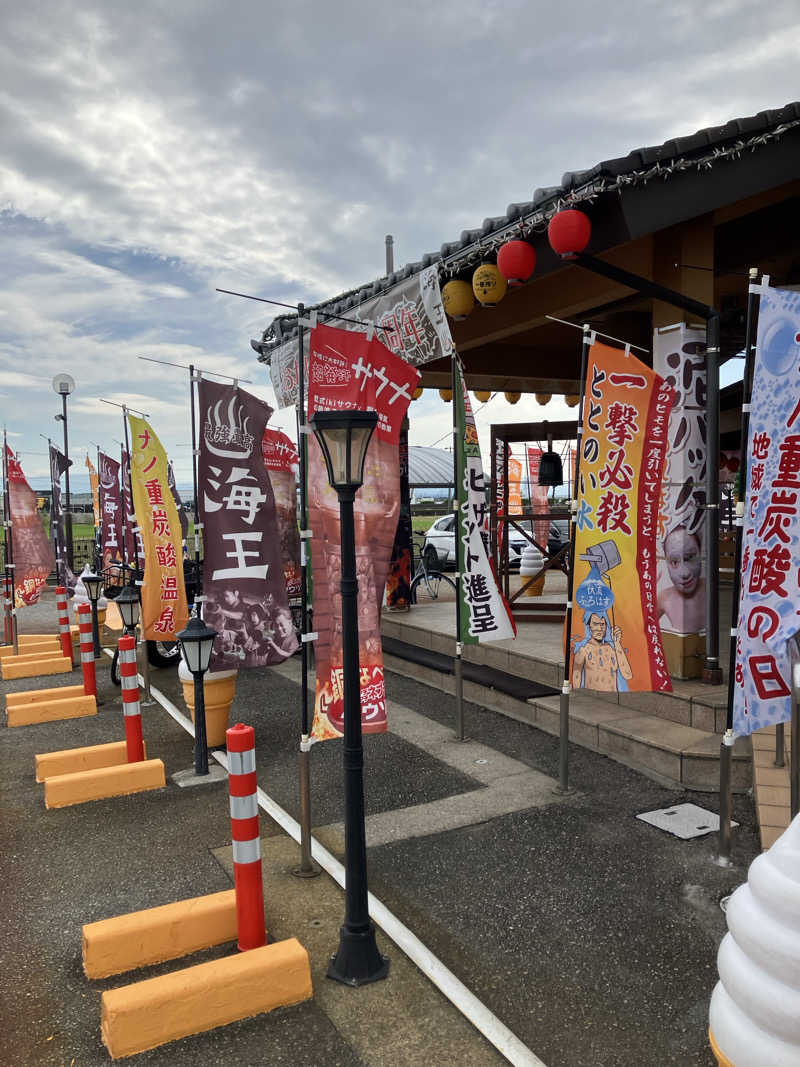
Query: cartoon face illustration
x=597, y=626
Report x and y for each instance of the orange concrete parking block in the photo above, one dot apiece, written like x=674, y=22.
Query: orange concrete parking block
x=120, y=781
x=37, y=696
x=46, y=644
x=142, y=1016
x=142, y=938
x=25, y=667
x=51, y=711
x=71, y=760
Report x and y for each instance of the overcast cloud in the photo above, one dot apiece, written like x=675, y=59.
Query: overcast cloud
x=150, y=152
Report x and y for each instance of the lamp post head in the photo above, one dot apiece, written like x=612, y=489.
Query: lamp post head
x=63, y=384
x=129, y=606
x=196, y=643
x=344, y=437
x=92, y=582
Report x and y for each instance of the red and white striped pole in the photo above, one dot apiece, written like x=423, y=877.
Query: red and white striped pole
x=63, y=622
x=241, y=741
x=129, y=676
x=87, y=650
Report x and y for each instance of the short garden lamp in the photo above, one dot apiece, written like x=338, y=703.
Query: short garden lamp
x=196, y=642
x=92, y=583
x=129, y=608
x=344, y=437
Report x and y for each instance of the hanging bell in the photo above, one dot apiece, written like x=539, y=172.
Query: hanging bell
x=550, y=469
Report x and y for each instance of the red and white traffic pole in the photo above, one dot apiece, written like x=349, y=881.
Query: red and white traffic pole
x=87, y=650
x=241, y=741
x=129, y=676
x=63, y=622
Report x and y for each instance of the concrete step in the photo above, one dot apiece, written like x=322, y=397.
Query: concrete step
x=690, y=704
x=670, y=752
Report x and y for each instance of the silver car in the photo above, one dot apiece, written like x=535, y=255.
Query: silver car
x=440, y=545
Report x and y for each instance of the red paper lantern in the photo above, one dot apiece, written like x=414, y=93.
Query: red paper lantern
x=569, y=231
x=516, y=261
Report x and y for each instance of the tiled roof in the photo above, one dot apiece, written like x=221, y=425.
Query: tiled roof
x=700, y=150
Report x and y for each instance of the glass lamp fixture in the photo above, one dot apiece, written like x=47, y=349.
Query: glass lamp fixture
x=196, y=642
x=129, y=607
x=344, y=437
x=92, y=582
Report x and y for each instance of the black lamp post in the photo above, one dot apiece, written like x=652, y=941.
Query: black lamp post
x=196, y=642
x=64, y=384
x=129, y=608
x=343, y=437
x=92, y=582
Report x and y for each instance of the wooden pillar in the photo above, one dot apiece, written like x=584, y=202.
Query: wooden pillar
x=677, y=254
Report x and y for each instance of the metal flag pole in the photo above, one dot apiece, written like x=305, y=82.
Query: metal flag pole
x=563, y=733
x=98, y=530
x=723, y=858
x=195, y=376
x=307, y=868
x=457, y=473
x=10, y=607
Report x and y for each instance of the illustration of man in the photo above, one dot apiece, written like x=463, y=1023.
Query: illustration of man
x=600, y=661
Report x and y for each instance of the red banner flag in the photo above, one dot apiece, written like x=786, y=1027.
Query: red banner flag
x=33, y=553
x=281, y=460
x=345, y=371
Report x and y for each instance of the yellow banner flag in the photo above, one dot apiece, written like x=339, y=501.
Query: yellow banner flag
x=164, y=608
x=94, y=482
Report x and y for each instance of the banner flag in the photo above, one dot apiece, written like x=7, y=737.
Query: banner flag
x=110, y=511
x=539, y=501
x=164, y=608
x=33, y=553
x=626, y=416
x=282, y=462
x=398, y=581
x=679, y=356
x=345, y=371
x=769, y=608
x=132, y=548
x=483, y=609
x=243, y=580
x=58, y=464
x=176, y=496
x=94, y=484
x=514, y=486
x=417, y=332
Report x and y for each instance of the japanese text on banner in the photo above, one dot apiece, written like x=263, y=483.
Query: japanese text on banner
x=164, y=608
x=616, y=637
x=769, y=609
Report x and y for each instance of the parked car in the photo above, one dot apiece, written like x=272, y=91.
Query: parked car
x=439, y=548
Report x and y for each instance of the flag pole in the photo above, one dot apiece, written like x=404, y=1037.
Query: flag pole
x=307, y=868
x=563, y=738
x=457, y=474
x=123, y=546
x=130, y=489
x=194, y=376
x=723, y=857
x=61, y=578
x=10, y=607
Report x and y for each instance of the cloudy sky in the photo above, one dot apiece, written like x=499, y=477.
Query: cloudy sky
x=154, y=151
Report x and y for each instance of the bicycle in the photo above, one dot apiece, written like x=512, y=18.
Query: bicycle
x=427, y=581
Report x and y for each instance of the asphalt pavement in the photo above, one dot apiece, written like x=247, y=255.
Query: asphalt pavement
x=590, y=934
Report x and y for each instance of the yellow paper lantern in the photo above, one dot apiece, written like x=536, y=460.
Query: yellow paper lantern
x=458, y=300
x=417, y=393
x=572, y=400
x=512, y=398
x=489, y=285
x=543, y=398
x=483, y=395
x=446, y=395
